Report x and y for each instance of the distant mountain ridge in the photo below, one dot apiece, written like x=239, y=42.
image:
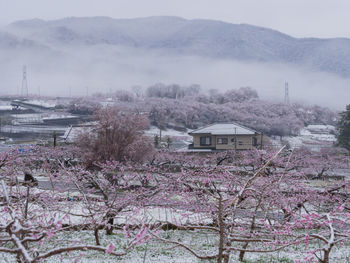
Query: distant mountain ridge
x=178, y=36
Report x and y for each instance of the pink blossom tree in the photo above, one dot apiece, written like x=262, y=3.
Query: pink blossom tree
x=31, y=217
x=256, y=203
x=116, y=136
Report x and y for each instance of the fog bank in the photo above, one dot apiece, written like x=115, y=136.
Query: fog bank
x=81, y=71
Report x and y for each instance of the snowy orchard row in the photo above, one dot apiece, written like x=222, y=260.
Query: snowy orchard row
x=251, y=202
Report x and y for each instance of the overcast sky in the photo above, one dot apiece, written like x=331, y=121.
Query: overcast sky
x=301, y=18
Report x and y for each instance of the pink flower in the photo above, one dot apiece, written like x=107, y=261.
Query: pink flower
x=110, y=248
x=49, y=234
x=141, y=235
x=341, y=208
x=59, y=225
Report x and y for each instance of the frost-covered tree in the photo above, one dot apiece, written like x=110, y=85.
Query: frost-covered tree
x=116, y=136
x=83, y=106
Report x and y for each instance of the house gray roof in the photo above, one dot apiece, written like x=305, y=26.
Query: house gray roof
x=224, y=129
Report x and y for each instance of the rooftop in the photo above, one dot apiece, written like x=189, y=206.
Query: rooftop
x=224, y=129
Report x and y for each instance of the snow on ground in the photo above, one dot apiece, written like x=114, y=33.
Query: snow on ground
x=176, y=136
x=76, y=212
x=57, y=116
x=72, y=133
x=179, y=140
x=319, y=133
x=32, y=128
x=39, y=117
x=153, y=131
x=43, y=103
x=312, y=136
x=154, y=251
x=5, y=107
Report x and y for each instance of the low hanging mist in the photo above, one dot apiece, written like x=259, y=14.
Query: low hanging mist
x=82, y=56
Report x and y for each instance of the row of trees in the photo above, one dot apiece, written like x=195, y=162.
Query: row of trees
x=240, y=105
x=244, y=202
x=191, y=107
x=270, y=118
x=175, y=91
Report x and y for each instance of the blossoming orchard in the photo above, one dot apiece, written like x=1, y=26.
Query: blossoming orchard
x=112, y=196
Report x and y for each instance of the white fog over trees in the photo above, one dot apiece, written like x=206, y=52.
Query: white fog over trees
x=71, y=55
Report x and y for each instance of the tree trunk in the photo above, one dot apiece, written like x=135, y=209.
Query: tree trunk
x=252, y=227
x=227, y=254
x=109, y=229
x=326, y=256
x=97, y=238
x=221, y=232
x=27, y=203
x=242, y=253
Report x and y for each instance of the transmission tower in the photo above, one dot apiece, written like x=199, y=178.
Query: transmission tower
x=286, y=93
x=24, y=91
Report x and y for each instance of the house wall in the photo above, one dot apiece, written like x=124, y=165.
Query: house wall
x=244, y=142
x=197, y=144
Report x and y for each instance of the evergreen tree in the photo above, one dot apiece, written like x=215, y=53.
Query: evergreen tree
x=344, y=129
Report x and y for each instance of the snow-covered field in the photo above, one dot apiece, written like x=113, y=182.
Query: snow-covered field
x=43, y=103
x=153, y=131
x=5, y=107
x=179, y=140
x=203, y=242
x=312, y=136
x=156, y=251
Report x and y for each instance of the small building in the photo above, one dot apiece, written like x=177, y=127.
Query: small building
x=225, y=136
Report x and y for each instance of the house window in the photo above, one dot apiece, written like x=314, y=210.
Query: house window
x=205, y=140
x=221, y=140
x=255, y=141
x=240, y=143
x=233, y=140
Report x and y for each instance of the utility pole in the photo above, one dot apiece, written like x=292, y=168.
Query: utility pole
x=54, y=138
x=235, y=139
x=286, y=93
x=24, y=91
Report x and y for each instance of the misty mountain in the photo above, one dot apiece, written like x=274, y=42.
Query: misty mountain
x=100, y=54
x=177, y=36
x=12, y=42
